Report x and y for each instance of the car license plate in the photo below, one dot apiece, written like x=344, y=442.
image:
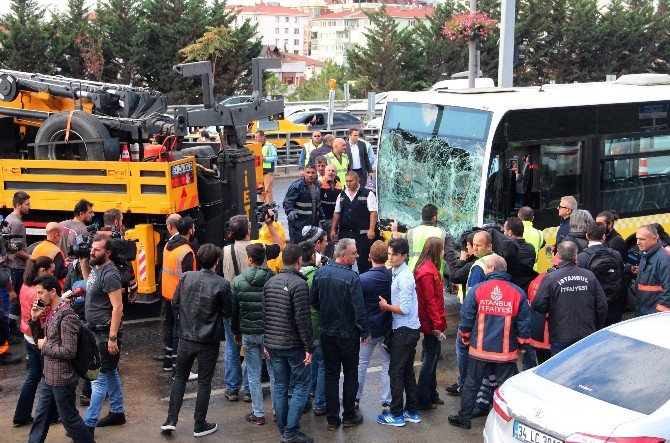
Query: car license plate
x=526, y=434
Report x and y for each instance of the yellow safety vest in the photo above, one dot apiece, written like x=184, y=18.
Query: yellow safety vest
x=534, y=237
x=480, y=263
x=266, y=151
x=309, y=147
x=342, y=166
x=172, y=270
x=417, y=239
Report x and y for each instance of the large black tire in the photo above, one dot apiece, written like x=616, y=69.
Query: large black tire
x=82, y=127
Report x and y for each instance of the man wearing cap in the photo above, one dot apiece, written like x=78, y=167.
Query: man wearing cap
x=302, y=204
x=319, y=237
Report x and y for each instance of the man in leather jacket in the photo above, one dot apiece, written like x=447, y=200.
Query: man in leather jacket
x=203, y=299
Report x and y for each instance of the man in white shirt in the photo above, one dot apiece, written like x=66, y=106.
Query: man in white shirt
x=359, y=159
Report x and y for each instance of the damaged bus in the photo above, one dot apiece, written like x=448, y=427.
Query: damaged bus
x=481, y=154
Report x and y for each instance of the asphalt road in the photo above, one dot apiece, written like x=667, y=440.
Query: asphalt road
x=147, y=389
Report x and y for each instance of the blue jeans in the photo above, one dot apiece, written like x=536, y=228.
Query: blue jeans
x=65, y=398
x=364, y=356
x=286, y=364
x=233, y=367
x=24, y=407
x=107, y=383
x=318, y=378
x=427, y=376
x=462, y=351
x=253, y=356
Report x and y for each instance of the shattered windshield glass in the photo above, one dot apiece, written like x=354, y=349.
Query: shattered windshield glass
x=431, y=154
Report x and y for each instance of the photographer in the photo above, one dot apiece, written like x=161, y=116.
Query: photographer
x=113, y=220
x=104, y=309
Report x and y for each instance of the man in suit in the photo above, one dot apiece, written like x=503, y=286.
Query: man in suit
x=359, y=159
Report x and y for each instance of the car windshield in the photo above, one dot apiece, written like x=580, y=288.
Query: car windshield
x=431, y=154
x=614, y=368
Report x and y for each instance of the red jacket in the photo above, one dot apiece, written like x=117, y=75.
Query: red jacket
x=430, y=294
x=27, y=297
x=539, y=326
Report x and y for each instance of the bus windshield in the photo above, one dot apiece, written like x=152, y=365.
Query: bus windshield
x=431, y=154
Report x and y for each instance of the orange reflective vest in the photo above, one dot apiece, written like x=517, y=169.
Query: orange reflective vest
x=46, y=249
x=172, y=270
x=539, y=324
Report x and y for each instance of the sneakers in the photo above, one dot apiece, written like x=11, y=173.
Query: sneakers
x=391, y=420
x=84, y=400
x=192, y=376
x=247, y=398
x=386, y=407
x=232, y=395
x=457, y=420
x=252, y=418
x=454, y=389
x=353, y=422
x=200, y=430
x=412, y=417
x=319, y=412
x=298, y=438
x=169, y=426
x=112, y=419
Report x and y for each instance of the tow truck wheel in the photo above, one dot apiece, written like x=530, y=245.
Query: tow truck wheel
x=84, y=127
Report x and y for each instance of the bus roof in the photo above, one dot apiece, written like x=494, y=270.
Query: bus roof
x=502, y=100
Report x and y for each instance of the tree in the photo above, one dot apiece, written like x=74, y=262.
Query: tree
x=274, y=86
x=25, y=44
x=118, y=25
x=389, y=58
x=316, y=88
x=212, y=46
x=72, y=39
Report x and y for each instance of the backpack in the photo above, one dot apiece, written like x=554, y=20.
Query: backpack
x=608, y=272
x=86, y=362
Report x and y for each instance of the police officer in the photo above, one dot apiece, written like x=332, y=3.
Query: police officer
x=502, y=308
x=356, y=217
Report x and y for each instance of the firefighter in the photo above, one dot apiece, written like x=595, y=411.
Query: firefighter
x=178, y=258
x=539, y=329
x=49, y=248
x=302, y=204
x=653, y=274
x=501, y=310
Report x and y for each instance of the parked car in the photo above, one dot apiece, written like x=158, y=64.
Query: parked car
x=290, y=110
x=380, y=103
x=611, y=386
x=317, y=120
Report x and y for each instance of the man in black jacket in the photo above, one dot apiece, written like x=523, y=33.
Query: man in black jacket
x=573, y=298
x=302, y=203
x=613, y=239
x=202, y=299
x=337, y=295
x=521, y=269
x=289, y=341
x=359, y=159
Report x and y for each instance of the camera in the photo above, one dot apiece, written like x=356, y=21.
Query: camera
x=83, y=248
x=262, y=213
x=7, y=246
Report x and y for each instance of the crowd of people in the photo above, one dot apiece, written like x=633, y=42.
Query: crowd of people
x=309, y=313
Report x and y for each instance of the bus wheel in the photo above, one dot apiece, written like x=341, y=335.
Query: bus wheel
x=82, y=127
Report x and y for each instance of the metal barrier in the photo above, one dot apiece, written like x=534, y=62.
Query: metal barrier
x=289, y=144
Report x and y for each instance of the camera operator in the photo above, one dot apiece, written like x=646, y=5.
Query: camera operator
x=21, y=203
x=113, y=220
x=104, y=310
x=75, y=229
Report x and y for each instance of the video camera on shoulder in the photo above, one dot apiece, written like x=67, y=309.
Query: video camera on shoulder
x=7, y=246
x=123, y=251
x=263, y=213
x=82, y=249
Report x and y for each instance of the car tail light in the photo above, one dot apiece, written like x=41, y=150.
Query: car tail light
x=500, y=406
x=588, y=438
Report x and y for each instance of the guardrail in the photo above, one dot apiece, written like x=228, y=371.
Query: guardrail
x=289, y=153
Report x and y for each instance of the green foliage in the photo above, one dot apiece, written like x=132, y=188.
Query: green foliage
x=26, y=44
x=316, y=88
x=274, y=86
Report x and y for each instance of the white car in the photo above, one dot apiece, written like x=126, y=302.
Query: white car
x=613, y=386
x=290, y=110
x=380, y=103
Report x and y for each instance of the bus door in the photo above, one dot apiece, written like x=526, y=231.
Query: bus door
x=544, y=172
